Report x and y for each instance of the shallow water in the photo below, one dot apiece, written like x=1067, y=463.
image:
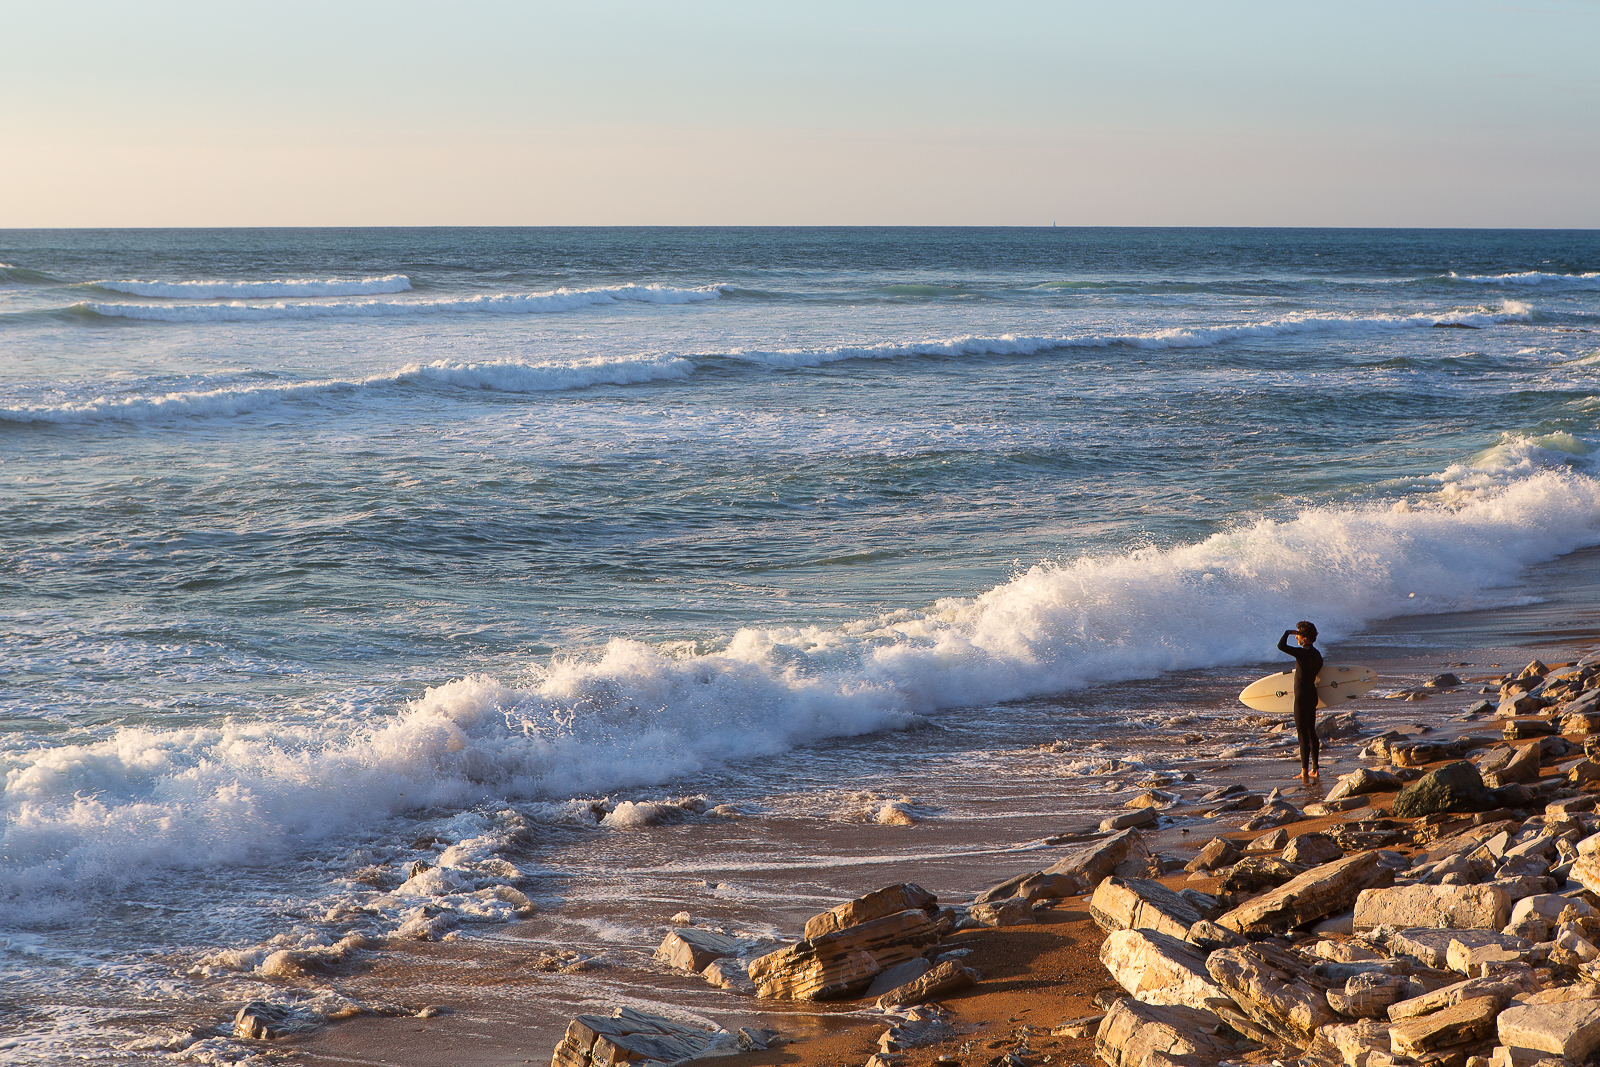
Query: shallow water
x=320, y=542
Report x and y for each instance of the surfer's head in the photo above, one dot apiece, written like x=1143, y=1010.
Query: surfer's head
x=1305, y=631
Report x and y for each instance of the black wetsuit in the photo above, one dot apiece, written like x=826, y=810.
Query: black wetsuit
x=1307, y=665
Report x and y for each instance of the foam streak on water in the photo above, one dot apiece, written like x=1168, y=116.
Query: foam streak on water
x=560, y=545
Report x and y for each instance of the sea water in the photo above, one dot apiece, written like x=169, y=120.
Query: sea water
x=585, y=562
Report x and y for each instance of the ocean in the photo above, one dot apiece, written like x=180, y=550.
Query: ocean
x=620, y=572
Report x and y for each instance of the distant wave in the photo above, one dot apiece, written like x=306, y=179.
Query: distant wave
x=10, y=274
x=516, y=376
x=226, y=401
x=498, y=304
x=1202, y=337
x=203, y=290
x=1589, y=280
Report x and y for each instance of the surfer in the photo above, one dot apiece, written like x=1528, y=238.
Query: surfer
x=1307, y=665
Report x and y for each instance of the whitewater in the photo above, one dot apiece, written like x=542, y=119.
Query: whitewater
x=548, y=545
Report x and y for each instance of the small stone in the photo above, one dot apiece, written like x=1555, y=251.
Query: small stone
x=1219, y=852
x=1016, y=911
x=1141, y=819
x=1312, y=850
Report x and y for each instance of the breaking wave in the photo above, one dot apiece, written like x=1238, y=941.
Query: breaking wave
x=204, y=290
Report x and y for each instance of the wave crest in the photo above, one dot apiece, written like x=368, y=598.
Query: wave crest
x=210, y=290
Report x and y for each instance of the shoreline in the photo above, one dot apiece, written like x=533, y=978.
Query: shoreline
x=1038, y=975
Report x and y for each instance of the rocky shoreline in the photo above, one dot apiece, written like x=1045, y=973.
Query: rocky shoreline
x=1441, y=909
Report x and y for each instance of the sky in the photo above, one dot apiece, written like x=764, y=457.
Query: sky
x=1028, y=113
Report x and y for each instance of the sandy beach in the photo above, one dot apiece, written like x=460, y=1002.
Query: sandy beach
x=487, y=997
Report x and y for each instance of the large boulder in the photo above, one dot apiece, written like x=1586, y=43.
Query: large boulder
x=1570, y=1030
x=842, y=963
x=1316, y=894
x=1147, y=1035
x=1122, y=853
x=693, y=950
x=1363, y=781
x=1141, y=903
x=1158, y=969
x=1460, y=907
x=1453, y=787
x=875, y=905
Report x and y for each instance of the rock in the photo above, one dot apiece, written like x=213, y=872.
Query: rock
x=1518, y=704
x=693, y=950
x=1477, y=711
x=843, y=962
x=946, y=978
x=1312, y=850
x=1158, y=969
x=1479, y=961
x=1016, y=911
x=1535, y=669
x=1332, y=807
x=260, y=1021
x=1146, y=1035
x=1276, y=989
x=1036, y=885
x=1268, y=842
x=1153, y=798
x=1280, y=813
x=1502, y=988
x=1338, y=724
x=1431, y=946
x=728, y=974
x=1533, y=917
x=1123, y=853
x=1467, y=842
x=1255, y=873
x=1459, y=907
x=1453, y=787
x=886, y=901
x=1584, y=772
x=1353, y=1043
x=898, y=975
x=631, y=1036
x=1442, y=681
x=1581, y=723
x=1316, y=894
x=1072, y=1029
x=1586, y=868
x=1369, y=995
x=1571, y=806
x=1519, y=729
x=1141, y=904
x=1570, y=1030
x=1471, y=1020
x=1144, y=817
x=1208, y=936
x=1219, y=852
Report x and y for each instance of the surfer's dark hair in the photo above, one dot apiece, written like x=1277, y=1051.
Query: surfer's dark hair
x=1303, y=627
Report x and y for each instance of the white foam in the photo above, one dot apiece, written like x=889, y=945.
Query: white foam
x=211, y=290
x=1586, y=280
x=497, y=304
x=89, y=818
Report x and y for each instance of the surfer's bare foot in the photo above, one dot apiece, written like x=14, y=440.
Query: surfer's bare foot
x=1305, y=775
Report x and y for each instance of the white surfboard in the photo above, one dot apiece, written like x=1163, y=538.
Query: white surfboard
x=1335, y=685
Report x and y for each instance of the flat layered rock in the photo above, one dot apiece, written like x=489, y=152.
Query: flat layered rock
x=1013, y=911
x=1130, y=820
x=1468, y=1021
x=1158, y=969
x=1316, y=894
x=905, y=896
x=1570, y=1030
x=1277, y=990
x=1219, y=852
x=1035, y=885
x=1458, y=907
x=1122, y=853
x=844, y=962
x=1353, y=1043
x=1141, y=904
x=1146, y=1035
x=629, y=1036
x=1312, y=850
x=1501, y=988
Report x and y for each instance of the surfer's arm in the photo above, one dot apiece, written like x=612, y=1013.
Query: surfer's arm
x=1284, y=646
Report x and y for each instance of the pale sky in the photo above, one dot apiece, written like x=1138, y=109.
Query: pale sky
x=479, y=112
